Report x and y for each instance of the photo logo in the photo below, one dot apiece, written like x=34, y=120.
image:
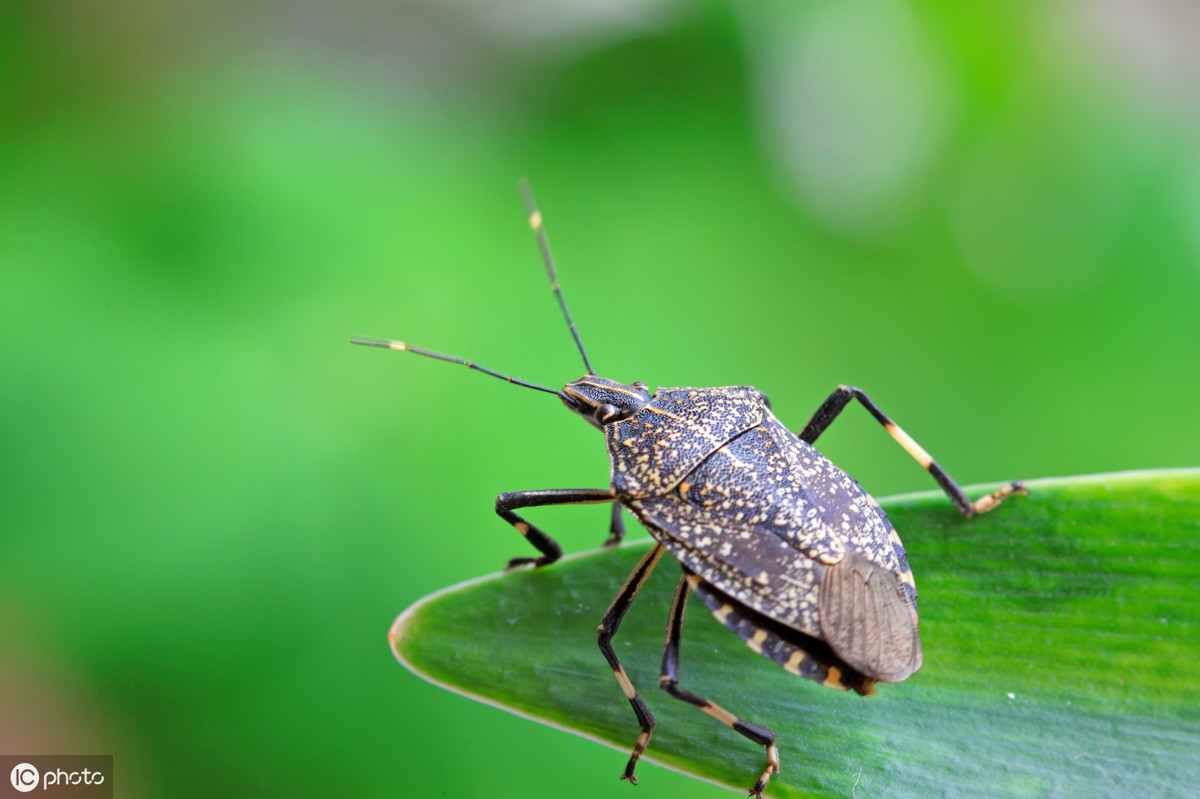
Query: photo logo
x=24, y=777
x=70, y=776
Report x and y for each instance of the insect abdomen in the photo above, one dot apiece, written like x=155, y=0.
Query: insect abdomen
x=799, y=654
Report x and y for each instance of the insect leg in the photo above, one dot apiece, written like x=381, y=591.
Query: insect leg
x=616, y=530
x=605, y=632
x=842, y=396
x=669, y=682
x=551, y=551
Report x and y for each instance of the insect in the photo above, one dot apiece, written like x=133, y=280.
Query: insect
x=782, y=546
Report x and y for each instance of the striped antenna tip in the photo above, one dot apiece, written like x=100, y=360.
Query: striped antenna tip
x=379, y=342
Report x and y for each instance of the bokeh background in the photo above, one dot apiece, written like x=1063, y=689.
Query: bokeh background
x=985, y=214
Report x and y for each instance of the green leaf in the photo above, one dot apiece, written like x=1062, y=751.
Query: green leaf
x=1062, y=655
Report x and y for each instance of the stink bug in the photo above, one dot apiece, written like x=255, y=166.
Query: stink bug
x=785, y=549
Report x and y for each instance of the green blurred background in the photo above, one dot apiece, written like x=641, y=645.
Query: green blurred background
x=987, y=215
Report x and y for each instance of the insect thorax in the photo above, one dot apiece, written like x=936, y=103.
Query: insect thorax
x=653, y=449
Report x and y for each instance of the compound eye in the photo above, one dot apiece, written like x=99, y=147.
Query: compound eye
x=606, y=412
x=639, y=385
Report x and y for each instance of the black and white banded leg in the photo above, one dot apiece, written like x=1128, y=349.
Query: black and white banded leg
x=605, y=632
x=842, y=396
x=669, y=682
x=551, y=551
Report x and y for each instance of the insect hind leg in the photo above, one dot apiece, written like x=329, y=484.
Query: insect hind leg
x=669, y=682
x=841, y=397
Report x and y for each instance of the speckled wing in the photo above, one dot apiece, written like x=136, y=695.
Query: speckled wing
x=865, y=613
x=774, y=524
x=753, y=566
x=813, y=494
x=652, y=450
x=867, y=603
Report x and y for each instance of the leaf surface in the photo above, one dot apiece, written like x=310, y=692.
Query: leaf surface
x=1062, y=655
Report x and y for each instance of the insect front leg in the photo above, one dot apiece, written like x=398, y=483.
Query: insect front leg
x=669, y=682
x=838, y=400
x=551, y=551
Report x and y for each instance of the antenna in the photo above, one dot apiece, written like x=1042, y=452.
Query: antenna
x=402, y=347
x=535, y=222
